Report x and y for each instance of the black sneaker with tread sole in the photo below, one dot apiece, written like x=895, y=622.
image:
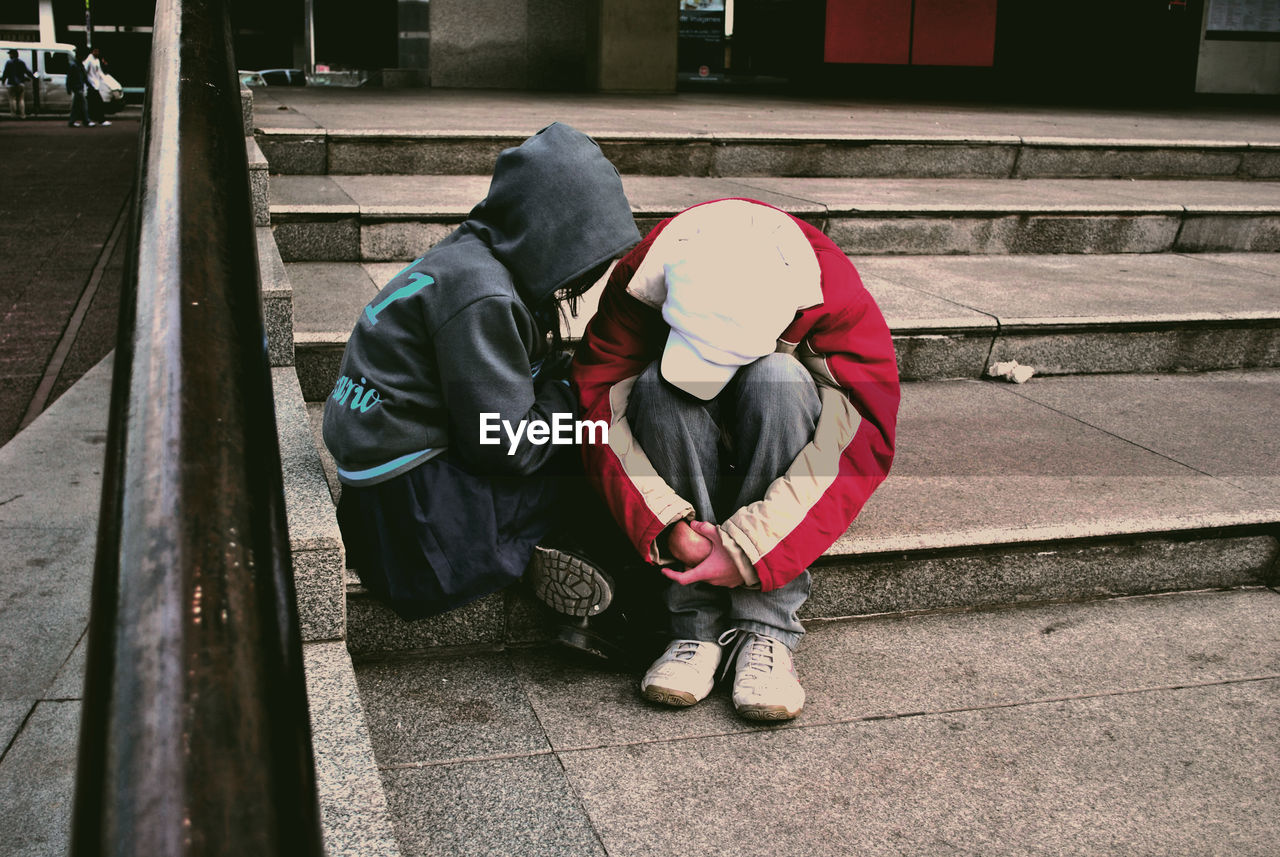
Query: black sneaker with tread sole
x=568, y=582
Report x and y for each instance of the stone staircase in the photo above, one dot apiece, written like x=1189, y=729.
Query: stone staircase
x=352, y=804
x=1067, y=275
x=1138, y=278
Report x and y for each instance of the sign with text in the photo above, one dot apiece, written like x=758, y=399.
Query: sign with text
x=1243, y=20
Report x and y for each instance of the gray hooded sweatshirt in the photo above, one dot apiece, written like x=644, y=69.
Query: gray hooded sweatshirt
x=453, y=335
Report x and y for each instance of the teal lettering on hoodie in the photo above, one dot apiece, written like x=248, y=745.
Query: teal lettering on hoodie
x=349, y=392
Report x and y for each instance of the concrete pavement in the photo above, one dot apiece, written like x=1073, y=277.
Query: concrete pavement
x=61, y=255
x=50, y=483
x=739, y=115
x=1133, y=726
x=64, y=203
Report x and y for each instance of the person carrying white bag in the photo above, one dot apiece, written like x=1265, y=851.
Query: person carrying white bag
x=102, y=88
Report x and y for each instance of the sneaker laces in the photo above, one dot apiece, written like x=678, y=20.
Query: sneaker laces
x=760, y=657
x=684, y=650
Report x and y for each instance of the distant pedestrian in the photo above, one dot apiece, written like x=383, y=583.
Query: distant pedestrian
x=94, y=73
x=16, y=75
x=75, y=86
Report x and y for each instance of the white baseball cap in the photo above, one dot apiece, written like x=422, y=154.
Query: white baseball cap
x=731, y=294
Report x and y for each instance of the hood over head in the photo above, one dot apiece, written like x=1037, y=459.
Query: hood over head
x=555, y=210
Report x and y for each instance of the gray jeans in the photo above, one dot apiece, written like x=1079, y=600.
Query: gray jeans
x=721, y=455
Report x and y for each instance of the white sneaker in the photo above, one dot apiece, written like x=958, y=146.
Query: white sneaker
x=91, y=124
x=683, y=675
x=765, y=686
x=106, y=121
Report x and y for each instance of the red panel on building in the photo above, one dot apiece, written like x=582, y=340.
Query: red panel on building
x=869, y=31
x=954, y=32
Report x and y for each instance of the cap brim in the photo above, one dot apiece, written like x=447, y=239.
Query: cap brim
x=685, y=369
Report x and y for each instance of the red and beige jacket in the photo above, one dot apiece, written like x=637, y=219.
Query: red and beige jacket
x=844, y=342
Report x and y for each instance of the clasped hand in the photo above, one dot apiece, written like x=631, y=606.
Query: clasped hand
x=701, y=548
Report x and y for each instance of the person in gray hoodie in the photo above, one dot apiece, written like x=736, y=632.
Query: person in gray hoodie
x=442, y=503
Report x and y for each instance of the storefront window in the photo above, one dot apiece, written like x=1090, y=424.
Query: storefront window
x=701, y=47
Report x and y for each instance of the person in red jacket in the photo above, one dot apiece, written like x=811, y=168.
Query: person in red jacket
x=750, y=389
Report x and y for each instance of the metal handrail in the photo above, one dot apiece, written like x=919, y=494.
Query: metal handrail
x=195, y=736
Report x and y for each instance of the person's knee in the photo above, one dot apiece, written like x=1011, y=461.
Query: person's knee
x=777, y=380
x=776, y=368
x=662, y=415
x=651, y=394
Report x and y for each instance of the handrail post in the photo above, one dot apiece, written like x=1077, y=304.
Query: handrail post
x=195, y=736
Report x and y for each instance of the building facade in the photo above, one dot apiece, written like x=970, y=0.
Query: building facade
x=1088, y=51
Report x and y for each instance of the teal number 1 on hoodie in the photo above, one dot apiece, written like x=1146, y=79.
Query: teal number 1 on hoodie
x=415, y=286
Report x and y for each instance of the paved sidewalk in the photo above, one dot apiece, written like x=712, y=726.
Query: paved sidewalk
x=1136, y=726
x=50, y=483
x=60, y=269
x=484, y=111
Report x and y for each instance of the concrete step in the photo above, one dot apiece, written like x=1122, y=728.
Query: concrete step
x=1060, y=489
x=277, y=299
x=953, y=316
x=387, y=218
x=721, y=116
x=780, y=152
x=316, y=543
x=276, y=295
x=353, y=807
x=259, y=182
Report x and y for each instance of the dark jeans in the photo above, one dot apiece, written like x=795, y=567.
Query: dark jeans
x=79, y=110
x=440, y=535
x=96, y=113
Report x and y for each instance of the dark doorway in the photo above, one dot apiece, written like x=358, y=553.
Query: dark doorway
x=357, y=35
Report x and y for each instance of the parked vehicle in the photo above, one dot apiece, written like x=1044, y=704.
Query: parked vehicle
x=274, y=77
x=48, y=62
x=283, y=76
x=47, y=93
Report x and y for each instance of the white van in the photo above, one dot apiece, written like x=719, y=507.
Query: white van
x=48, y=62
